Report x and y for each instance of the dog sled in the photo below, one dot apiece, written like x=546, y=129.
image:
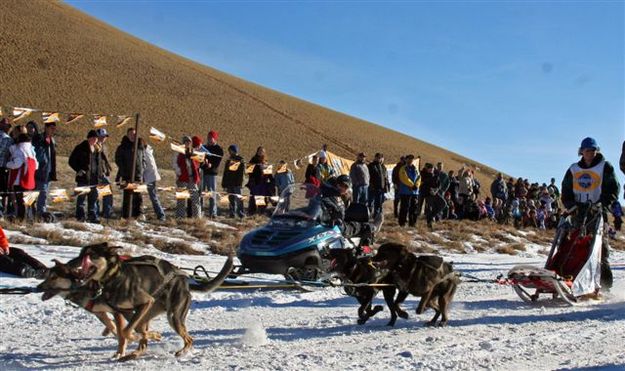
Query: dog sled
x=572, y=270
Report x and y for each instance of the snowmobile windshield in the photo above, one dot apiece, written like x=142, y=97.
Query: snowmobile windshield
x=298, y=201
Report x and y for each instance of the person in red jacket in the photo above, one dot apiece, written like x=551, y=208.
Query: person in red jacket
x=187, y=169
x=17, y=262
x=23, y=165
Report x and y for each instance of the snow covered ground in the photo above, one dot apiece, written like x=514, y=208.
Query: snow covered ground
x=490, y=328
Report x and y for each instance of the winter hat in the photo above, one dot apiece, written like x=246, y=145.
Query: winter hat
x=323, y=154
x=4, y=243
x=101, y=132
x=589, y=143
x=213, y=134
x=233, y=148
x=197, y=141
x=92, y=134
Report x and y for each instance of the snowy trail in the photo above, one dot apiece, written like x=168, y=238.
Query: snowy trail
x=490, y=328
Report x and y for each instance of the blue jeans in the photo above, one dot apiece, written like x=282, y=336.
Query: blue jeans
x=210, y=184
x=92, y=204
x=361, y=194
x=107, y=201
x=236, y=203
x=42, y=187
x=156, y=204
x=376, y=199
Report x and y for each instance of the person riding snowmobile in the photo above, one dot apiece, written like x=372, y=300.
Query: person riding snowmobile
x=333, y=210
x=592, y=180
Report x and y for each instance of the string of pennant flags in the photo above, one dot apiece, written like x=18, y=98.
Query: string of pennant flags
x=24, y=114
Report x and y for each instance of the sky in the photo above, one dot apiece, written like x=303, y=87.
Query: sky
x=515, y=85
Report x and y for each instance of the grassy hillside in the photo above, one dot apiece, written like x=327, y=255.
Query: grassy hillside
x=54, y=57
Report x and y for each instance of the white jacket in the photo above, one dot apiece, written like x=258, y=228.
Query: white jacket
x=150, y=174
x=19, y=153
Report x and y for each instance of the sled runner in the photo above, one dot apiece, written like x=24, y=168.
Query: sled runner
x=572, y=270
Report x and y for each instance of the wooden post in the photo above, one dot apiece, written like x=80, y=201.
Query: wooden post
x=134, y=164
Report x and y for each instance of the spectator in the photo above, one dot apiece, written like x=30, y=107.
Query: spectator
x=490, y=210
x=107, y=169
x=444, y=183
x=45, y=149
x=428, y=194
x=409, y=191
x=378, y=184
x=232, y=181
x=86, y=161
x=124, y=156
x=210, y=169
x=498, y=189
x=284, y=178
x=359, y=174
x=261, y=181
x=465, y=188
x=150, y=177
x=5, y=143
x=312, y=172
x=324, y=169
x=547, y=199
x=187, y=170
x=23, y=165
x=554, y=191
x=396, y=184
x=32, y=129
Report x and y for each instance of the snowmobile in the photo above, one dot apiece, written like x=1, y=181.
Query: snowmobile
x=297, y=243
x=572, y=270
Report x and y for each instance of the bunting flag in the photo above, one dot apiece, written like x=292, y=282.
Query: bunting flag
x=131, y=186
x=80, y=191
x=224, y=201
x=234, y=165
x=183, y=194
x=157, y=135
x=179, y=148
x=166, y=189
x=122, y=120
x=73, y=117
x=250, y=168
x=99, y=121
x=297, y=164
x=260, y=200
x=207, y=194
x=30, y=198
x=268, y=170
x=104, y=190
x=59, y=195
x=51, y=117
x=274, y=199
x=21, y=114
x=142, y=188
x=198, y=156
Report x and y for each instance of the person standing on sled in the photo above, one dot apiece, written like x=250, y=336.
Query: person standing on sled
x=592, y=179
x=332, y=193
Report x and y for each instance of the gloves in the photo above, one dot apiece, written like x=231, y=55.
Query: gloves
x=81, y=173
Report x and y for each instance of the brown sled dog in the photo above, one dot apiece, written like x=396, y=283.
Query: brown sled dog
x=64, y=280
x=142, y=288
x=427, y=276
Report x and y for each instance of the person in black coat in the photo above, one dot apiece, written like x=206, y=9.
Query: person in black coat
x=378, y=183
x=124, y=161
x=86, y=160
x=232, y=181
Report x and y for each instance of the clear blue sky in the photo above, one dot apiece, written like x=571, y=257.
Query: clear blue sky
x=515, y=85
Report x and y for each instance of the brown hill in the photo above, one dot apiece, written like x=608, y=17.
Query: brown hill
x=55, y=57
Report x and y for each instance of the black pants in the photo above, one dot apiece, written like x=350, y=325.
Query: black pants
x=606, y=272
x=408, y=208
x=434, y=204
x=4, y=187
x=17, y=260
x=137, y=202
